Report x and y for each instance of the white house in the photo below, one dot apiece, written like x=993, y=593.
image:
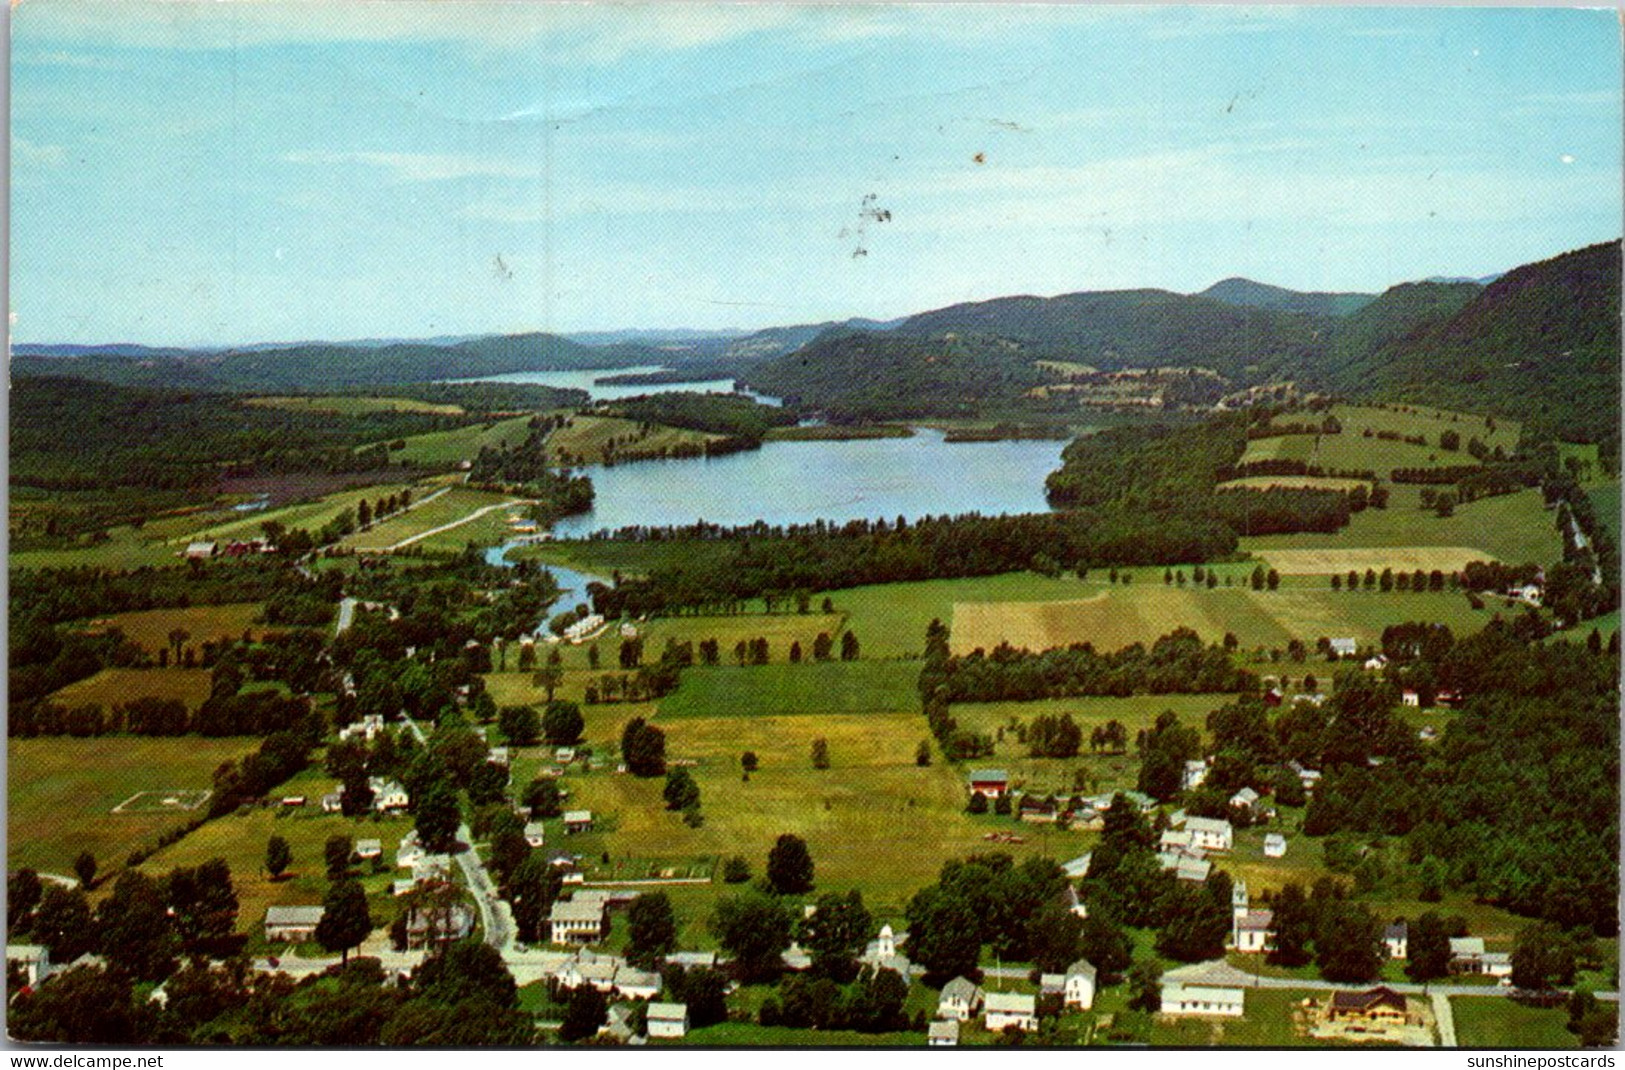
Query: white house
x=1210, y=988
x=1004, y=1009
x=1078, y=990
x=1409, y=697
x=1397, y=939
x=1344, y=648
x=943, y=1033
x=1245, y=798
x=1184, y=866
x=33, y=959
x=293, y=925
x=1194, y=774
x=1274, y=845
x=535, y=833
x=1497, y=964
x=1467, y=954
x=388, y=794
x=577, y=921
x=1210, y=834
x=960, y=1000
x=634, y=983
x=1376, y=663
x=667, y=1021
x=1178, y=841
x=332, y=802
x=1254, y=931
x=367, y=850
x=577, y=821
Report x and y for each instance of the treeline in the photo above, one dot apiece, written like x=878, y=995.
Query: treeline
x=731, y=415
x=1287, y=466
x=1446, y=474
x=526, y=469
x=56, y=595
x=1177, y=663
x=1282, y=510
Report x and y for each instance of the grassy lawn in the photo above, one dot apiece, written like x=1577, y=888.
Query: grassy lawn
x=453, y=505
x=150, y=628
x=1486, y=1022
x=463, y=443
x=111, y=687
x=61, y=792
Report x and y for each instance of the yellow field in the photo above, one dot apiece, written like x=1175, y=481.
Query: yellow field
x=150, y=628
x=111, y=687
x=1446, y=559
x=1295, y=483
x=1122, y=616
x=353, y=405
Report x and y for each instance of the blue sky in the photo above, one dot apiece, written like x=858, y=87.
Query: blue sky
x=229, y=172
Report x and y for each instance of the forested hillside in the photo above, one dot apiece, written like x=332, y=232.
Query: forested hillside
x=1246, y=293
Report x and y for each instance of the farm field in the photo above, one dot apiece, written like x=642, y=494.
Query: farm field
x=462, y=443
x=1118, y=617
x=1296, y=482
x=350, y=405
x=450, y=507
x=310, y=515
x=240, y=839
x=150, y=628
x=1487, y=1022
x=779, y=629
x=111, y=687
x=818, y=689
x=1353, y=450
x=1336, y=562
x=1510, y=527
x=61, y=791
x=592, y=437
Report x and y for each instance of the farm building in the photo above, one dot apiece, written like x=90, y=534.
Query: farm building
x=960, y=999
x=200, y=551
x=577, y=821
x=1184, y=866
x=1036, y=810
x=668, y=1021
x=943, y=1033
x=367, y=850
x=1004, y=1009
x=292, y=925
x=1244, y=799
x=1344, y=647
x=535, y=833
x=990, y=783
x=1210, y=988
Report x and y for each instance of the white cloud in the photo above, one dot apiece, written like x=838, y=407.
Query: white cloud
x=420, y=166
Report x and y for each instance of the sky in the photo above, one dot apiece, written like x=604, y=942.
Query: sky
x=225, y=173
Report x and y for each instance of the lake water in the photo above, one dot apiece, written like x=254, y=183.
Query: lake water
x=800, y=482
x=583, y=380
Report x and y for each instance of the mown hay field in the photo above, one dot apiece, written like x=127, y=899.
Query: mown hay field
x=1295, y=483
x=1338, y=561
x=112, y=687
x=61, y=792
x=150, y=628
x=462, y=443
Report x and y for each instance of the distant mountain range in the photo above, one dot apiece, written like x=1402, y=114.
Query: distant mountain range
x=1539, y=343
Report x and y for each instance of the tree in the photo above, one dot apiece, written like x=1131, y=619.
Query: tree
x=519, y=724
x=1053, y=935
x=62, y=923
x=562, y=723
x=202, y=904
x=748, y=761
x=584, y=1014
x=1543, y=957
x=823, y=645
x=790, y=866
x=755, y=930
x=134, y=930
x=544, y=798
x=1106, y=945
x=849, y=647
x=1294, y=926
x=922, y=753
x=681, y=793
x=945, y=934
x=1348, y=943
x=820, y=753
x=278, y=857
x=736, y=870
x=706, y=993
x=531, y=890
x=337, y=852
x=1145, y=985
x=84, y=867
x=1427, y=949
x=437, y=818
x=1196, y=919
x=84, y=1005
x=652, y=930
x=23, y=890
x=643, y=748
x=463, y=971
x=346, y=919
x=836, y=933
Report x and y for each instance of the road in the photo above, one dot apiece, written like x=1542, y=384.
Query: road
x=1446, y=1018
x=420, y=536
x=495, y=915
x=346, y=615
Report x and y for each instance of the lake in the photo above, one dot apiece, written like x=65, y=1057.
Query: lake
x=583, y=380
x=800, y=482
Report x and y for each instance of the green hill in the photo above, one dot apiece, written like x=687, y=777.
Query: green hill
x=1246, y=293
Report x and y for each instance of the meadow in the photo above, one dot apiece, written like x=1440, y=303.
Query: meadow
x=1352, y=450
x=349, y=405
x=111, y=687
x=61, y=791
x=149, y=629
x=1485, y=1022
x=441, y=448
x=595, y=437
x=450, y=507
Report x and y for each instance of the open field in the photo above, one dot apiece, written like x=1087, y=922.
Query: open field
x=1120, y=616
x=124, y=547
x=779, y=629
x=593, y=437
x=240, y=839
x=1337, y=562
x=310, y=515
x=350, y=406
x=1295, y=482
x=61, y=792
x=111, y=687
x=489, y=529
x=1352, y=450
x=450, y=507
x=1510, y=527
x=829, y=688
x=1486, y=1022
x=463, y=443
x=1268, y=1023
x=150, y=628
